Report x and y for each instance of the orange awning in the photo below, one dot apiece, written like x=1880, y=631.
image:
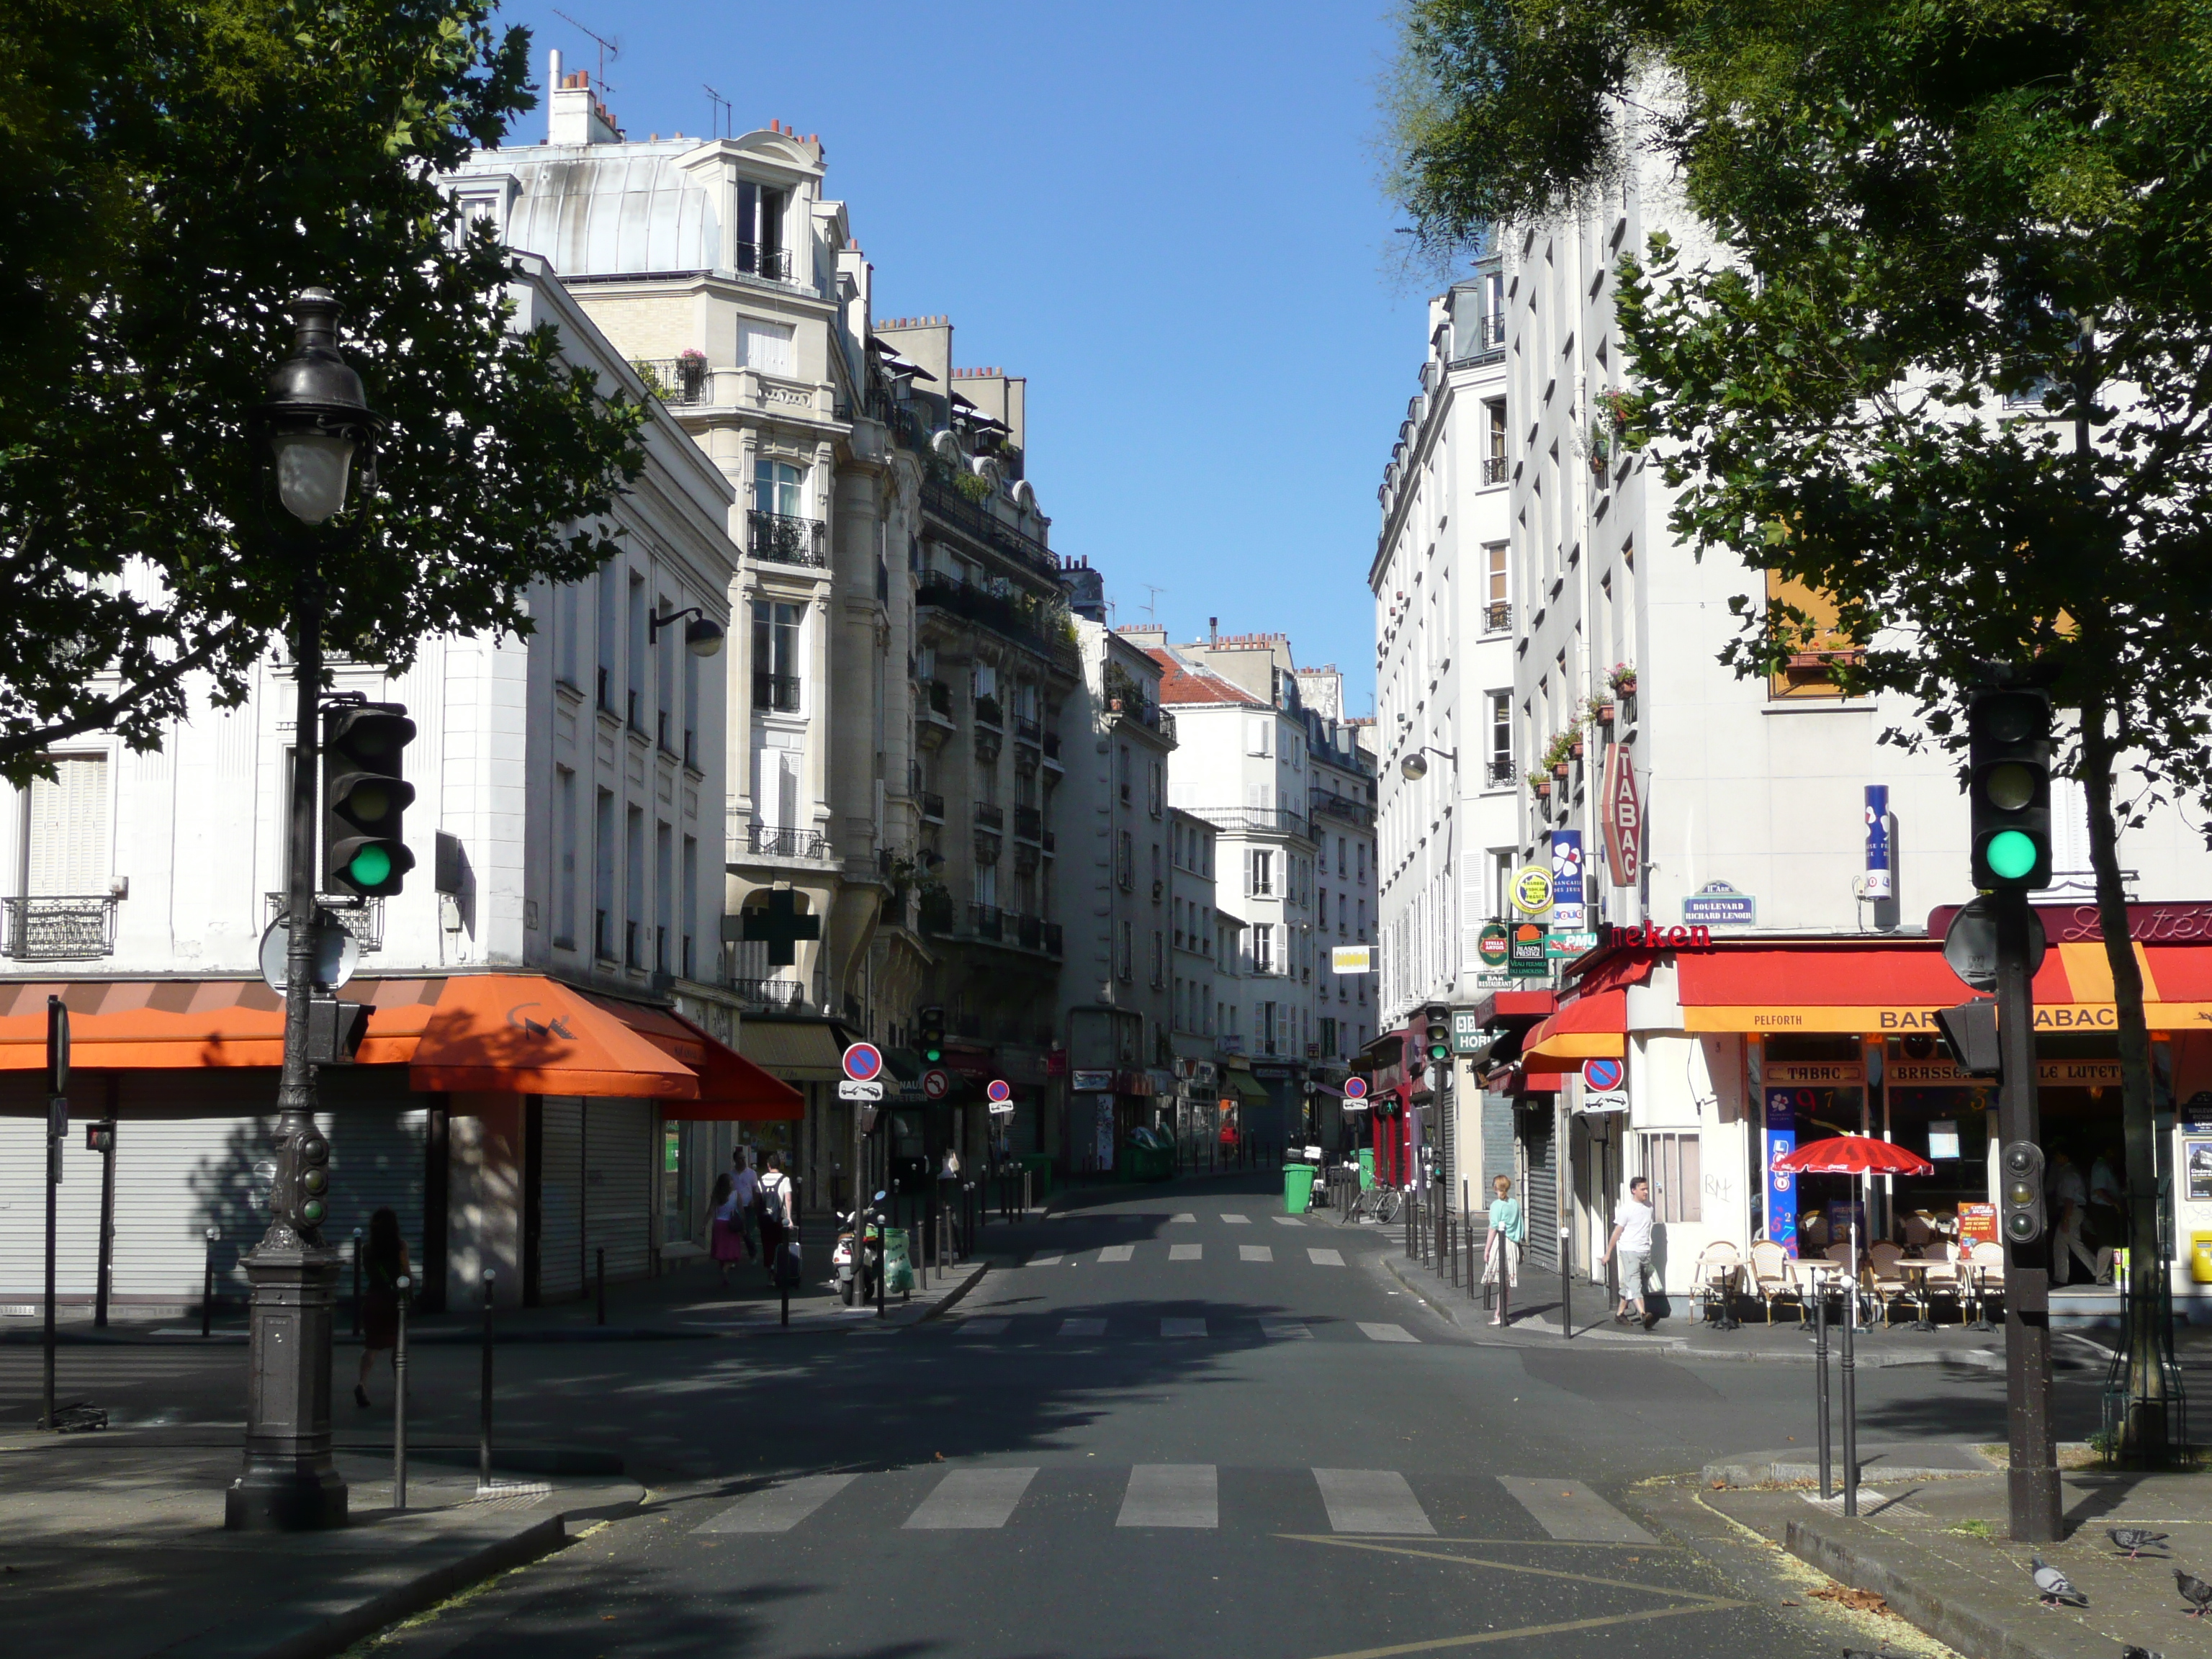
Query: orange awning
x=1589, y=1028
x=191, y=1024
x=523, y=1035
x=731, y=1089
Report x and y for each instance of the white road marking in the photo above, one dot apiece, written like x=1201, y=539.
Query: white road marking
x=1182, y=1327
x=1186, y=1252
x=1285, y=1330
x=1387, y=1333
x=1237, y=1220
x=1171, y=1495
x=1255, y=1253
x=972, y=1500
x=1182, y=1217
x=1325, y=1258
x=1572, y=1511
x=1052, y=1260
x=1371, y=1500
x=781, y=1507
x=1288, y=1221
x=1117, y=1253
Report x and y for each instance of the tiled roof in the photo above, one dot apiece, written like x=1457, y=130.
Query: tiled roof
x=1187, y=683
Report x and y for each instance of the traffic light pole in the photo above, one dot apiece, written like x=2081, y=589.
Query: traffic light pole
x=2034, y=1479
x=290, y=1482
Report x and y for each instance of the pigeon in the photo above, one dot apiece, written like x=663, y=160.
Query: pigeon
x=2194, y=1591
x=2136, y=1540
x=2053, y=1587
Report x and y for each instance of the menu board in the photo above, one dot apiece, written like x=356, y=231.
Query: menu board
x=1978, y=1224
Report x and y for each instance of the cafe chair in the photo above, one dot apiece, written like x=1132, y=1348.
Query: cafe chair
x=1719, y=1272
x=1769, y=1277
x=1882, y=1278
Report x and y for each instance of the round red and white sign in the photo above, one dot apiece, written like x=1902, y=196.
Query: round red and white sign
x=998, y=1092
x=1602, y=1075
x=936, y=1084
x=1355, y=1088
x=864, y=1062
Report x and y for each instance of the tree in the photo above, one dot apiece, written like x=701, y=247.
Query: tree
x=1954, y=375
x=178, y=170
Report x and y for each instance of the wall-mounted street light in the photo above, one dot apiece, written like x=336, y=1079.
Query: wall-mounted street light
x=703, y=637
x=1413, y=768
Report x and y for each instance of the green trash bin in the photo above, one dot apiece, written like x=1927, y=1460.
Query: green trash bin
x=1298, y=1187
x=1366, y=1168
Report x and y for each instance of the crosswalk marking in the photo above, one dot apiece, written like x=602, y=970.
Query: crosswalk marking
x=1285, y=1330
x=1371, y=1500
x=987, y=1326
x=781, y=1507
x=1186, y=1252
x=1117, y=1253
x=1237, y=1220
x=1255, y=1253
x=1182, y=1218
x=1288, y=1221
x=1171, y=1495
x=1572, y=1511
x=1083, y=1328
x=1325, y=1258
x=971, y=1500
x=1182, y=1327
x=1387, y=1333
x=1052, y=1260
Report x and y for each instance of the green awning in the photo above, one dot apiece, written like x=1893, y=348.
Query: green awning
x=1245, y=1085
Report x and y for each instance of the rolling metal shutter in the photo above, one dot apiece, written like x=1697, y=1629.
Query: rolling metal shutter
x=1540, y=1199
x=560, y=1199
x=595, y=1196
x=1497, y=1143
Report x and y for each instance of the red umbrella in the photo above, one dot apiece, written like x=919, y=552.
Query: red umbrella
x=1853, y=1155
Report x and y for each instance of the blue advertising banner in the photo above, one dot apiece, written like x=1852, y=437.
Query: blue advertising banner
x=1568, y=909
x=1878, y=877
x=1781, y=1188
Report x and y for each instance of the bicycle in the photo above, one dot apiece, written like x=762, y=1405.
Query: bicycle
x=1379, y=1204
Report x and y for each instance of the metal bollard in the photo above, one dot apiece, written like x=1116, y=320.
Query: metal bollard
x=602, y=1256
x=483, y=1424
x=207, y=1286
x=399, y=1400
x=1821, y=1383
x=883, y=1259
x=1851, y=1409
x=356, y=1281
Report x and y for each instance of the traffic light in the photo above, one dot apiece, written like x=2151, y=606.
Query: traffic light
x=314, y=1176
x=1970, y=1031
x=1438, y=1043
x=100, y=1138
x=933, y=1034
x=2020, y=1183
x=335, y=1030
x=363, y=796
x=2009, y=787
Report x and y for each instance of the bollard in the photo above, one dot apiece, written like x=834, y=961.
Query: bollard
x=1820, y=1380
x=483, y=1424
x=356, y=1281
x=1566, y=1299
x=399, y=1400
x=207, y=1286
x=602, y=1276
x=1850, y=1407
x=883, y=1260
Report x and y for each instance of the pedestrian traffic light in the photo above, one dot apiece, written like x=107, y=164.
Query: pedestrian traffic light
x=1970, y=1032
x=100, y=1138
x=933, y=1034
x=1438, y=1020
x=2009, y=787
x=2021, y=1186
x=363, y=796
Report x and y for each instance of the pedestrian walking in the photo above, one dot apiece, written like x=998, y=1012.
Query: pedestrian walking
x=745, y=1201
x=1501, y=1250
x=775, y=1211
x=725, y=1233
x=948, y=1193
x=384, y=1264
x=1632, y=1241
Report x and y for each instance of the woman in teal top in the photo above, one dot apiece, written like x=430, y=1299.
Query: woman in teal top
x=1501, y=1253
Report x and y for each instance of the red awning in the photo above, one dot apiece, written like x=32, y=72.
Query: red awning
x=731, y=1089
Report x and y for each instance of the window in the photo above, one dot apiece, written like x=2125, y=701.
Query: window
x=778, y=488
x=1497, y=613
x=1155, y=795
x=603, y=877
x=687, y=962
x=760, y=248
x=767, y=347
x=666, y=650
x=1340, y=869
x=1156, y=864
x=1125, y=861
x=1673, y=1163
x=690, y=709
x=987, y=886
x=1125, y=968
x=609, y=625
x=567, y=603
x=633, y=899
x=1501, y=738
x=664, y=897
x=1259, y=735
x=1321, y=908
x=1263, y=947
x=634, y=706
x=1159, y=959
x=1121, y=772
x=1259, y=872
x=1816, y=647
x=67, y=850
x=564, y=913
x=775, y=656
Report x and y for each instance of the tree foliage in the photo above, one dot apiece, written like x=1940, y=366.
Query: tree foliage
x=179, y=169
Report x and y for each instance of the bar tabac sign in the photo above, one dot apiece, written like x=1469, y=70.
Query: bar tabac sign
x=1621, y=814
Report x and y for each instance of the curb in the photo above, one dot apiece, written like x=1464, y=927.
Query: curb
x=1780, y=1471
x=1904, y=1576
x=973, y=1277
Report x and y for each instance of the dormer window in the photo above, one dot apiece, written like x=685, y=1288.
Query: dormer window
x=760, y=250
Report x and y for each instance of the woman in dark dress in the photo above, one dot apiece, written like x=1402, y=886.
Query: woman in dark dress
x=384, y=1264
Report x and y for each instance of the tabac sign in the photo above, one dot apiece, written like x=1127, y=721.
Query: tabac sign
x=1621, y=814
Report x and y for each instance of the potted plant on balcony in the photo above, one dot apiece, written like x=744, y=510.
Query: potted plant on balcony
x=1623, y=680
x=1541, y=782
x=691, y=373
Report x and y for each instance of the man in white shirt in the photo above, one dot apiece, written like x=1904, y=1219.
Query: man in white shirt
x=1632, y=1238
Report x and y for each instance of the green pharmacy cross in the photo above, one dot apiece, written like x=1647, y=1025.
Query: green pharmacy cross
x=781, y=924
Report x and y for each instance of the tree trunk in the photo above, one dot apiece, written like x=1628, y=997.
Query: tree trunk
x=2143, y=1440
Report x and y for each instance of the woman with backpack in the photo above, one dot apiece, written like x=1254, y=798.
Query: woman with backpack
x=384, y=1264
x=775, y=1211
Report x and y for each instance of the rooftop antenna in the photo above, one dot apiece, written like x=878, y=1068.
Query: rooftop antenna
x=1153, y=604
x=718, y=113
x=607, y=49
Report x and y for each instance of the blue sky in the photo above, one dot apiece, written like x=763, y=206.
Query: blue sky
x=1167, y=217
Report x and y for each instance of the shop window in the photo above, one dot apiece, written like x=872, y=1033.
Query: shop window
x=1672, y=1163
x=1817, y=648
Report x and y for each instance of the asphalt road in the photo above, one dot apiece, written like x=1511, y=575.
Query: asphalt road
x=1182, y=1424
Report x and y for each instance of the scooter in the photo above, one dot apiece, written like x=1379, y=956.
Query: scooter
x=857, y=1281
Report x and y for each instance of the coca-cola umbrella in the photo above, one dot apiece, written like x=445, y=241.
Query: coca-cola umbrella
x=1853, y=1155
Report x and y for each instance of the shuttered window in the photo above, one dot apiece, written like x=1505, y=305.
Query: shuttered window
x=69, y=829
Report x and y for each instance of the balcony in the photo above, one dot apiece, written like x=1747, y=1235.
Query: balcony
x=66, y=927
x=780, y=539
x=771, y=995
x=779, y=692
x=940, y=698
x=944, y=502
x=1497, y=616
x=1018, y=618
x=766, y=840
x=1052, y=749
x=1252, y=820
x=1050, y=842
x=932, y=807
x=1149, y=715
x=987, y=921
x=1344, y=807
x=987, y=924
x=361, y=917
x=759, y=259
x=1498, y=772
x=1496, y=469
x=987, y=713
x=990, y=816
x=1027, y=731
x=678, y=382
x=1028, y=822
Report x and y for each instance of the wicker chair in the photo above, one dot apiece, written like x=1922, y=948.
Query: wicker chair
x=1987, y=1262
x=1882, y=1278
x=1718, y=1275
x=1769, y=1277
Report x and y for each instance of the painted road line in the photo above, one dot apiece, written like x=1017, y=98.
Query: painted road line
x=1387, y=1333
x=986, y=1325
x=1174, y=1218
x=1117, y=1253
x=1171, y=1495
x=1326, y=1258
x=1186, y=1252
x=1371, y=1500
x=1083, y=1328
x=781, y=1507
x=971, y=1500
x=1237, y=1220
x=1288, y=1221
x=1182, y=1327
x=1052, y=1260
x=1570, y=1511
x=1285, y=1330
x=1255, y=1253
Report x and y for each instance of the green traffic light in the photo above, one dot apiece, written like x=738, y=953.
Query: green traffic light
x=2011, y=855
x=371, y=867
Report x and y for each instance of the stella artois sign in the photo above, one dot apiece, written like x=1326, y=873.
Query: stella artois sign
x=1622, y=816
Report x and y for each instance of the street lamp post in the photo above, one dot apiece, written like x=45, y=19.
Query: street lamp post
x=314, y=422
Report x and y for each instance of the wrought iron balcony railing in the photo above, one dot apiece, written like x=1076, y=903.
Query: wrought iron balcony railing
x=774, y=842
x=987, y=713
x=1028, y=822
x=932, y=807
x=755, y=260
x=1496, y=469
x=776, y=691
x=1497, y=616
x=1027, y=730
x=771, y=993
x=781, y=538
x=1499, y=771
x=990, y=816
x=361, y=917
x=679, y=382
x=64, y=928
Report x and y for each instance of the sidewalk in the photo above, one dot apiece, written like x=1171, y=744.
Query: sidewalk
x=1934, y=1544
x=114, y=1548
